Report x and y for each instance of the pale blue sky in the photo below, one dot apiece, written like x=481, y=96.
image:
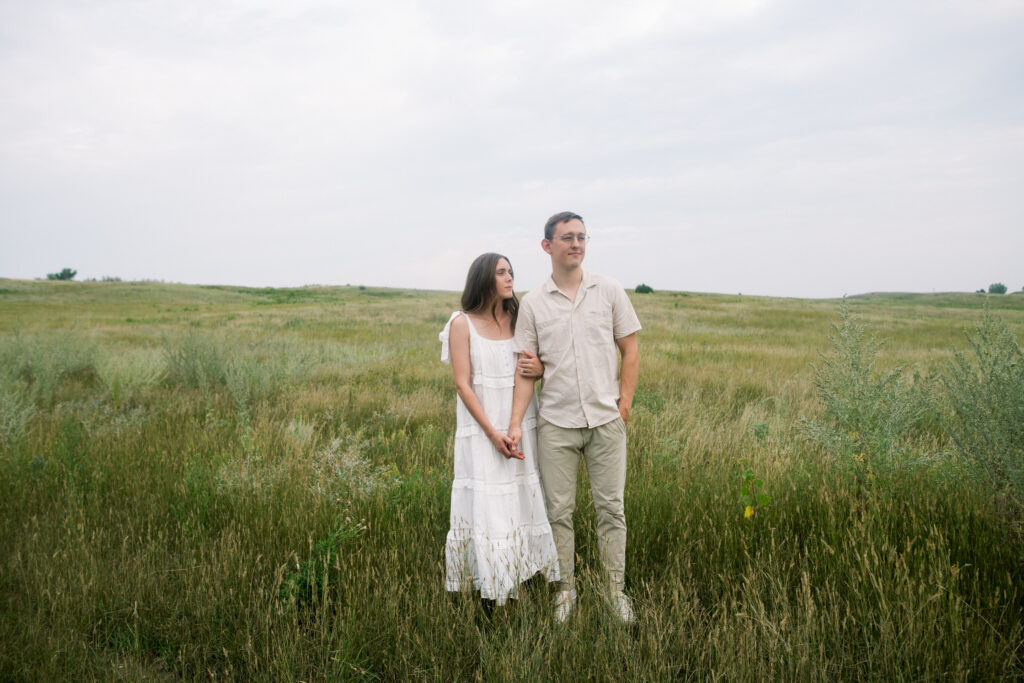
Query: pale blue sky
x=792, y=148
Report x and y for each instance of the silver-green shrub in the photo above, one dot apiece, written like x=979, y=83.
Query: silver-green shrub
x=40, y=361
x=16, y=413
x=252, y=370
x=869, y=416
x=127, y=373
x=342, y=470
x=252, y=377
x=986, y=392
x=197, y=359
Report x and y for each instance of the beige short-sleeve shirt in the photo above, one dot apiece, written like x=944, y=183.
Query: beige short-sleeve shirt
x=576, y=342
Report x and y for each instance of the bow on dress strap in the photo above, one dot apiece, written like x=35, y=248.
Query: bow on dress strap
x=446, y=356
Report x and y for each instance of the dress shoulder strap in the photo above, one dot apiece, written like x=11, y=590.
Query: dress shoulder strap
x=446, y=356
x=472, y=329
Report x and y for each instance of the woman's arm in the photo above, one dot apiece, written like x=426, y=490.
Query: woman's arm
x=458, y=342
x=521, y=395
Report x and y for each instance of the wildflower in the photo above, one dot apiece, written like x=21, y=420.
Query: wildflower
x=749, y=512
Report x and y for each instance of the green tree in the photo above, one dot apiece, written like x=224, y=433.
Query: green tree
x=997, y=288
x=644, y=289
x=69, y=274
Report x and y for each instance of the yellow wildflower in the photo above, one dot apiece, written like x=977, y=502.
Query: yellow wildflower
x=749, y=512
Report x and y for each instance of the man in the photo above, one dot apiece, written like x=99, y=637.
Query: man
x=578, y=323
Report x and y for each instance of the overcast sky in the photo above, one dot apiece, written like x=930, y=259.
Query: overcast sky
x=791, y=148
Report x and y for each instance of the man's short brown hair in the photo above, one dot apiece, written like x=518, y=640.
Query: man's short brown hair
x=549, y=227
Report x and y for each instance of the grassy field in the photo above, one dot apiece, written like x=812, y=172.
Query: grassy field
x=253, y=484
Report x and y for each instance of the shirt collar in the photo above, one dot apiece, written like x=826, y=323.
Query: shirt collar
x=588, y=281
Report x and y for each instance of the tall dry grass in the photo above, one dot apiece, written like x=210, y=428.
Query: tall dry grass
x=253, y=484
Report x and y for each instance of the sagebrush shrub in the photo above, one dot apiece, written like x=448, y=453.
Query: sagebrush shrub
x=39, y=362
x=127, y=373
x=869, y=416
x=197, y=360
x=986, y=393
x=342, y=470
x=16, y=412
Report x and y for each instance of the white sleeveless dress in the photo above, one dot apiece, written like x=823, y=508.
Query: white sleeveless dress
x=499, y=534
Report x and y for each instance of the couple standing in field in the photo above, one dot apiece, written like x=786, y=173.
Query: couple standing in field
x=516, y=466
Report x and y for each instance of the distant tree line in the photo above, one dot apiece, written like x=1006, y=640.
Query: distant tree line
x=996, y=288
x=66, y=274
x=69, y=274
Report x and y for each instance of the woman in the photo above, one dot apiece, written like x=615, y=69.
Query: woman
x=499, y=535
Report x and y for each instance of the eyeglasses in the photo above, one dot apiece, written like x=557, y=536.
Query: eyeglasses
x=569, y=238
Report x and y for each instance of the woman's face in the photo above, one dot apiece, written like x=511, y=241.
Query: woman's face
x=503, y=279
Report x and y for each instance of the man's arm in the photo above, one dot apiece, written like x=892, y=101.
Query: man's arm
x=629, y=349
x=529, y=365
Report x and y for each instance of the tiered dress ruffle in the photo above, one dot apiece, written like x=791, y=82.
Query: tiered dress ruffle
x=499, y=534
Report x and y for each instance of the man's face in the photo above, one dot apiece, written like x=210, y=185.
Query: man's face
x=568, y=245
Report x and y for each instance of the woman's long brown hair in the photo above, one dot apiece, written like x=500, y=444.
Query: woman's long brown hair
x=480, y=293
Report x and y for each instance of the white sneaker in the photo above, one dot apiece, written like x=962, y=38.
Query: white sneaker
x=564, y=602
x=623, y=607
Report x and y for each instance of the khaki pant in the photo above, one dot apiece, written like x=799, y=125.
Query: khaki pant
x=558, y=459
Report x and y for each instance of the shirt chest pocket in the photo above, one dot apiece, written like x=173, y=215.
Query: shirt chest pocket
x=599, y=324
x=553, y=335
